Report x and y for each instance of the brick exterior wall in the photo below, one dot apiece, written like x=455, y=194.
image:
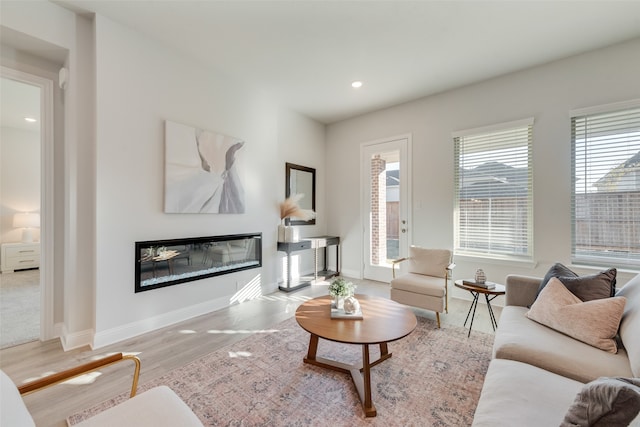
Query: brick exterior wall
x=378, y=210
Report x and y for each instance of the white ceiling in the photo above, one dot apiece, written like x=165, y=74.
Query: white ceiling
x=307, y=53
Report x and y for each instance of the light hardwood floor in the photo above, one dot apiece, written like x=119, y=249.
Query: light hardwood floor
x=168, y=348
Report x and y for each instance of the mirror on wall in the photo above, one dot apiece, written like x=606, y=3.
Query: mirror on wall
x=301, y=180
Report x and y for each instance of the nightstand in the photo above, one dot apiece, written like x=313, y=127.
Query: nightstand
x=19, y=256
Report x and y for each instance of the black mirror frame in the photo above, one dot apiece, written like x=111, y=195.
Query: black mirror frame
x=312, y=171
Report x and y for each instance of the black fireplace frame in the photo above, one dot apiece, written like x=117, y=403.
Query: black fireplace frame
x=147, y=257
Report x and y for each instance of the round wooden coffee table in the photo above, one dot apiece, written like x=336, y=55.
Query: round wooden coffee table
x=382, y=321
x=489, y=295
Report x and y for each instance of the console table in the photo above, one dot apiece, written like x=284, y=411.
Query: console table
x=315, y=243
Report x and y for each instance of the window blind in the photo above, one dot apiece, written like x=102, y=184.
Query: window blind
x=494, y=197
x=606, y=187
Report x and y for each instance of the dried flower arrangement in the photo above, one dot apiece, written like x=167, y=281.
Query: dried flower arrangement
x=290, y=209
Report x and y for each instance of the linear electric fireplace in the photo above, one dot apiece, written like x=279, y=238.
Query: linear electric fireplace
x=162, y=263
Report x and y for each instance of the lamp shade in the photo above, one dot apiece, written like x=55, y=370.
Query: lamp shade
x=26, y=220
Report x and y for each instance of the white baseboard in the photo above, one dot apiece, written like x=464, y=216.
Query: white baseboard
x=143, y=326
x=70, y=341
x=270, y=288
x=351, y=273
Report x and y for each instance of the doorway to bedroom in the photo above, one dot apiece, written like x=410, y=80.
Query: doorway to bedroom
x=26, y=165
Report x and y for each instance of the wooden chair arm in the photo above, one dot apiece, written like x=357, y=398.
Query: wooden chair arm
x=393, y=265
x=399, y=260
x=448, y=273
x=65, y=375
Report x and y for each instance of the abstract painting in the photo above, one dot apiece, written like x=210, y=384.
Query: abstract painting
x=202, y=171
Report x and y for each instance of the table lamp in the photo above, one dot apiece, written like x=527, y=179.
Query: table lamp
x=26, y=221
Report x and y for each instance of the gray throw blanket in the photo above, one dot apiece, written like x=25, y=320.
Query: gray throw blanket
x=605, y=402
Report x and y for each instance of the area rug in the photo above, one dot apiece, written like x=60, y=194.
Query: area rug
x=434, y=378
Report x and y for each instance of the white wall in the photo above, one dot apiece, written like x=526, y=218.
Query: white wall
x=546, y=93
x=46, y=68
x=301, y=142
x=110, y=170
x=19, y=179
x=46, y=36
x=133, y=101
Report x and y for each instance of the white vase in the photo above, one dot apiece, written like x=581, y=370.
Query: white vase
x=338, y=302
x=291, y=234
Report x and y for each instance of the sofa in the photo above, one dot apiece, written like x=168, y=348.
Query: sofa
x=536, y=372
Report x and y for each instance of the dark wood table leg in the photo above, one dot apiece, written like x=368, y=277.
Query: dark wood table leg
x=384, y=350
x=313, y=348
x=361, y=375
x=369, y=409
x=384, y=355
x=312, y=359
x=362, y=381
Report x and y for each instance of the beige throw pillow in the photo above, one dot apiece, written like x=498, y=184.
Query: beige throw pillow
x=593, y=322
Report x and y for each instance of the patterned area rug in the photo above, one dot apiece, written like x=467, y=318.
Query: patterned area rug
x=433, y=379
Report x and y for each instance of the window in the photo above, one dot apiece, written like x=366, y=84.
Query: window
x=494, y=197
x=605, y=145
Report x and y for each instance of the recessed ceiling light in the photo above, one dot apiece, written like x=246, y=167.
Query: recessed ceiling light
x=30, y=119
x=357, y=84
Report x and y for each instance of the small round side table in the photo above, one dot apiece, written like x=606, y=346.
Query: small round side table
x=489, y=293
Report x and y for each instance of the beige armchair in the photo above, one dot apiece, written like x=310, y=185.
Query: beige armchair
x=426, y=285
x=156, y=407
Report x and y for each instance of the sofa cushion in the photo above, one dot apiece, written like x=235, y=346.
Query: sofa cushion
x=630, y=323
x=605, y=402
x=517, y=394
x=587, y=288
x=519, y=338
x=593, y=322
x=13, y=411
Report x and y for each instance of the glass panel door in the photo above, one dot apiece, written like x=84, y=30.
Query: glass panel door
x=385, y=212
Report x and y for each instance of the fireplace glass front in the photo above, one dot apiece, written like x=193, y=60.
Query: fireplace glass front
x=162, y=263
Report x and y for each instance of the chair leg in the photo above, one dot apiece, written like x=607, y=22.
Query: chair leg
x=446, y=298
x=438, y=319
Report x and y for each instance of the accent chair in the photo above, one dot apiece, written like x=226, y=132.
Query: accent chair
x=426, y=284
x=157, y=407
